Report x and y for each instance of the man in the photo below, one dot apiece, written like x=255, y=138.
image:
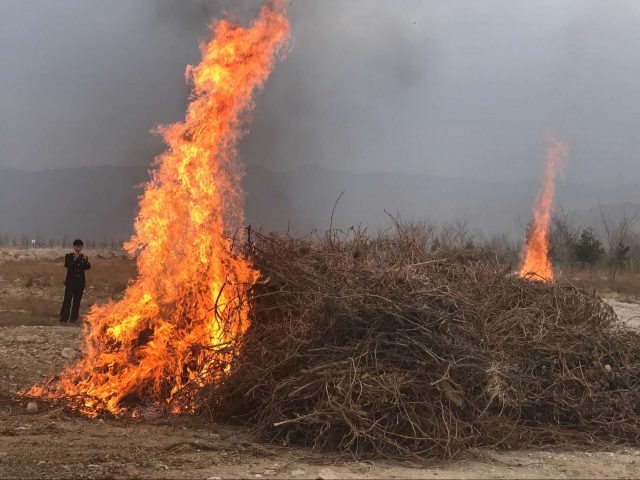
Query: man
x=76, y=263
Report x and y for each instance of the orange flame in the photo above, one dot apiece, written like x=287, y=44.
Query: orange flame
x=536, y=263
x=178, y=323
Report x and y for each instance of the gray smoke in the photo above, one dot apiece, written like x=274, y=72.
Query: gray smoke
x=464, y=90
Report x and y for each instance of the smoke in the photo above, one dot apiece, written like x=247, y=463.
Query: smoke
x=463, y=90
x=438, y=87
x=318, y=107
x=341, y=97
x=194, y=15
x=88, y=88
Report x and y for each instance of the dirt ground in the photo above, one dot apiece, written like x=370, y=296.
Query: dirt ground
x=54, y=444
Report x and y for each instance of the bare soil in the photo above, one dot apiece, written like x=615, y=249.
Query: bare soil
x=52, y=443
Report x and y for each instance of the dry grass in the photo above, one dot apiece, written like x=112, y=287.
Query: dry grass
x=34, y=288
x=626, y=286
x=29, y=273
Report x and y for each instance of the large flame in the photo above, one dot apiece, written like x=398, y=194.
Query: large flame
x=536, y=263
x=177, y=324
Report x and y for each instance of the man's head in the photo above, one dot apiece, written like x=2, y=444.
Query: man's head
x=77, y=246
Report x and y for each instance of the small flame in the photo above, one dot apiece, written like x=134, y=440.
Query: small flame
x=536, y=263
x=178, y=323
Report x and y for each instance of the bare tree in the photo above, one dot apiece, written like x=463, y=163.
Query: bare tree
x=459, y=234
x=634, y=254
x=418, y=232
x=618, y=236
x=499, y=250
x=564, y=236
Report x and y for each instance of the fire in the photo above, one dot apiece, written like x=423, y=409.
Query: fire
x=177, y=325
x=536, y=262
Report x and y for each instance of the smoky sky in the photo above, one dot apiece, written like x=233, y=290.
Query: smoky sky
x=466, y=88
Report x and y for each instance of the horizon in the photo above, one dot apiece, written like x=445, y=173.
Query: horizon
x=561, y=180
x=302, y=198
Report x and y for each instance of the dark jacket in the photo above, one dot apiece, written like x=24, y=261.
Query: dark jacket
x=75, y=269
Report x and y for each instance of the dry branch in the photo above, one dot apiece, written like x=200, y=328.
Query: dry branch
x=377, y=347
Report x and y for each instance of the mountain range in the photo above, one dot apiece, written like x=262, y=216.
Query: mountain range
x=101, y=202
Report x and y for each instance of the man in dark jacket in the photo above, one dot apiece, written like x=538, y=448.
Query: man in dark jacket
x=76, y=263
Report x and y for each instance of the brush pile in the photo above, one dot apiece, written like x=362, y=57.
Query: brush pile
x=378, y=347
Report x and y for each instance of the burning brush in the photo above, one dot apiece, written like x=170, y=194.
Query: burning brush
x=178, y=322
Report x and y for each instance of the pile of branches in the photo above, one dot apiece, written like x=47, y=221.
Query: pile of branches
x=376, y=346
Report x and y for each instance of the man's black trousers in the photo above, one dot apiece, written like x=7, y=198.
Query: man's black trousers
x=71, y=304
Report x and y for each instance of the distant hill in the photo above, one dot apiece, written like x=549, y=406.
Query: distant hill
x=97, y=202
x=101, y=202
x=303, y=198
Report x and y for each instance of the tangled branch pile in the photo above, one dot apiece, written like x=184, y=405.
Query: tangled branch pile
x=377, y=347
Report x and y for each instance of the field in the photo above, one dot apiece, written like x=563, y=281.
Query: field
x=625, y=286
x=54, y=443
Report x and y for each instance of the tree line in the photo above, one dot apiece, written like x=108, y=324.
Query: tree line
x=23, y=240
x=613, y=242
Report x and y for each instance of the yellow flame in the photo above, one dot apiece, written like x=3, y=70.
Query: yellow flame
x=536, y=263
x=176, y=321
